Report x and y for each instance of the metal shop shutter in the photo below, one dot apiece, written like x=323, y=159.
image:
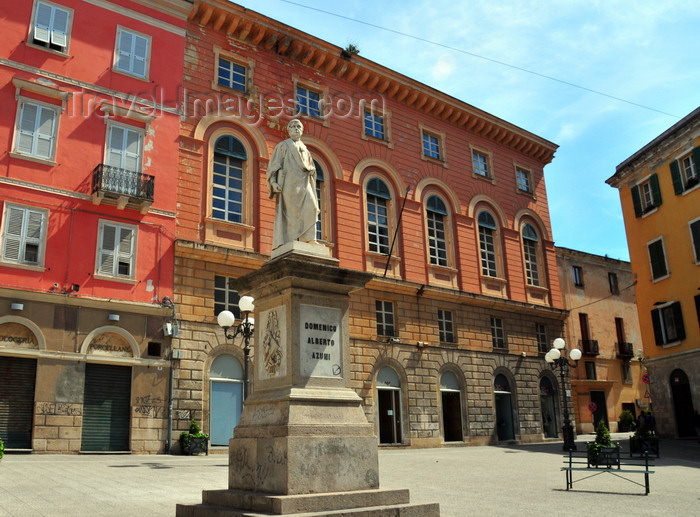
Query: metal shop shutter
x=17, y=379
x=106, y=410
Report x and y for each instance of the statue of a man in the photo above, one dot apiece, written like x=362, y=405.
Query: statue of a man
x=291, y=178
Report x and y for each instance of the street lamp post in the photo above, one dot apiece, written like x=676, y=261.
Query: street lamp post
x=245, y=328
x=556, y=359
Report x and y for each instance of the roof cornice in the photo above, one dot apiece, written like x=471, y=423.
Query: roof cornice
x=255, y=29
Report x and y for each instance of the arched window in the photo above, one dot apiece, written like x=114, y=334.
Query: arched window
x=320, y=192
x=531, y=251
x=436, y=213
x=378, y=197
x=487, y=244
x=227, y=179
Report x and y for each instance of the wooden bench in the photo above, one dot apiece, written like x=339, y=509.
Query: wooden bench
x=609, y=463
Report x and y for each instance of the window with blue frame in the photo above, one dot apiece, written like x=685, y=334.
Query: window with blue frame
x=231, y=75
x=308, y=102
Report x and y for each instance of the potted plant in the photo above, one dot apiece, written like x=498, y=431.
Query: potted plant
x=603, y=452
x=194, y=441
x=626, y=421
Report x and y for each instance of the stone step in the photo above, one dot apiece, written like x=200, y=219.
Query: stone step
x=398, y=510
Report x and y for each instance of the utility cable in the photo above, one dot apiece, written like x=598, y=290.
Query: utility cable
x=478, y=56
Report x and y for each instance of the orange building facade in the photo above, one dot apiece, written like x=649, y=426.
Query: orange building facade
x=598, y=292
x=444, y=203
x=88, y=153
x=660, y=199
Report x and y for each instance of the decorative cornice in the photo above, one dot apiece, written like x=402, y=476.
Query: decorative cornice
x=255, y=29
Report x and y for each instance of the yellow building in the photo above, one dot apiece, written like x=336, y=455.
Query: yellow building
x=661, y=205
x=603, y=324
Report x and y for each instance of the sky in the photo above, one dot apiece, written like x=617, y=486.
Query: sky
x=600, y=78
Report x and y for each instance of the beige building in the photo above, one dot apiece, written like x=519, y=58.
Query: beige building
x=603, y=324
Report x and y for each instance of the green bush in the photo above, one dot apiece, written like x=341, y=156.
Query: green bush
x=596, y=449
x=194, y=432
x=2, y=449
x=626, y=421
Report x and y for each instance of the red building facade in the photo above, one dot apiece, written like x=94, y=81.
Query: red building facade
x=88, y=154
x=445, y=203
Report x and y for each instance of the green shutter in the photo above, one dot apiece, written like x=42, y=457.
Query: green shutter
x=657, y=259
x=656, y=323
x=655, y=189
x=676, y=177
x=696, y=160
x=637, y=202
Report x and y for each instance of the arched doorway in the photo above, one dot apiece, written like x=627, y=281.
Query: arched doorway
x=389, y=406
x=682, y=404
x=549, y=412
x=226, y=401
x=504, y=408
x=451, y=398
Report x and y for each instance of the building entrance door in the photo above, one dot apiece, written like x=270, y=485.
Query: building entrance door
x=106, y=408
x=601, y=412
x=451, y=408
x=504, y=409
x=226, y=402
x=549, y=412
x=389, y=406
x=18, y=376
x=682, y=404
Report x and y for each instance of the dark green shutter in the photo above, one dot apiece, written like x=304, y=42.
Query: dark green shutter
x=657, y=259
x=637, y=202
x=655, y=189
x=107, y=408
x=676, y=177
x=656, y=322
x=17, y=380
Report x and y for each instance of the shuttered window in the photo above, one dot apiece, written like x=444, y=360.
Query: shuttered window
x=124, y=148
x=657, y=259
x=23, y=235
x=36, y=130
x=51, y=26
x=116, y=255
x=132, y=53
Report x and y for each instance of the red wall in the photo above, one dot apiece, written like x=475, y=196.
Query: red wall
x=64, y=187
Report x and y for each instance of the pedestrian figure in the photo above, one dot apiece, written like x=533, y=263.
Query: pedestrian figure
x=651, y=423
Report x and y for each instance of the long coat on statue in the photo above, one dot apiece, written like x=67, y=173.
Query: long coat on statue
x=292, y=168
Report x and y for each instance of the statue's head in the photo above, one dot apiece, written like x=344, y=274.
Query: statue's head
x=295, y=128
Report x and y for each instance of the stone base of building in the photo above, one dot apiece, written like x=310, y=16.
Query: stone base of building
x=365, y=503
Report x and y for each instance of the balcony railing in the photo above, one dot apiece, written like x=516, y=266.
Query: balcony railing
x=625, y=350
x=122, y=187
x=588, y=346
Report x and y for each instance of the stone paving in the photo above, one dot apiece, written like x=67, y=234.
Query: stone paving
x=514, y=480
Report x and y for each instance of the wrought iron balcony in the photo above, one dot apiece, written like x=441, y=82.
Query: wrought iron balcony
x=625, y=350
x=122, y=187
x=588, y=346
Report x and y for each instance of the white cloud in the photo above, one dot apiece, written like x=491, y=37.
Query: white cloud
x=444, y=66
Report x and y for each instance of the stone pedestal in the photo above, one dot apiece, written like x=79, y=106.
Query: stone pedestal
x=303, y=443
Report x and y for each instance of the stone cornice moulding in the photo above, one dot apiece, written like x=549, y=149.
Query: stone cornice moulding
x=258, y=30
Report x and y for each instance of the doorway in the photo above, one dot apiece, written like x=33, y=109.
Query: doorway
x=389, y=407
x=548, y=407
x=106, y=408
x=601, y=412
x=226, y=401
x=504, y=409
x=682, y=404
x=451, y=398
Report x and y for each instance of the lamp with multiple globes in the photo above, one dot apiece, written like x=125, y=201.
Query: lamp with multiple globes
x=556, y=359
x=245, y=328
